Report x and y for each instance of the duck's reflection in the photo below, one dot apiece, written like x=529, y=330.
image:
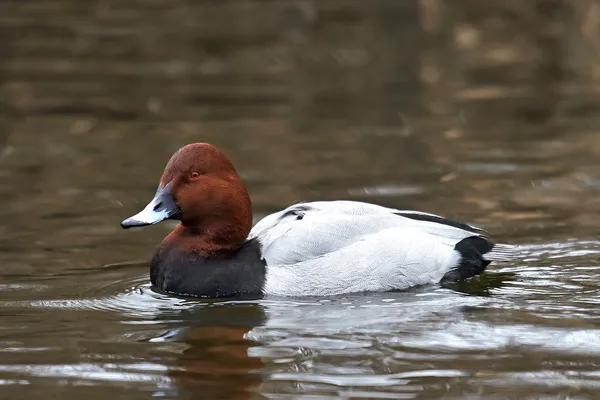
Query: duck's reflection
x=214, y=361
x=210, y=342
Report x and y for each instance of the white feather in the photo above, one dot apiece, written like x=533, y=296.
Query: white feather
x=346, y=246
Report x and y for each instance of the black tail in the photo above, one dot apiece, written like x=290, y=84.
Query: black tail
x=472, y=261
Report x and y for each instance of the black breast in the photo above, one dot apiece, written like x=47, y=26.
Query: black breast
x=187, y=274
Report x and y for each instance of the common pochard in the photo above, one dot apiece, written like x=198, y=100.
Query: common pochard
x=319, y=248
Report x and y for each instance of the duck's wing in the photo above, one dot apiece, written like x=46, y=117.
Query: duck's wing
x=390, y=259
x=307, y=231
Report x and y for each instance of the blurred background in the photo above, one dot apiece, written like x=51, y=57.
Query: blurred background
x=482, y=111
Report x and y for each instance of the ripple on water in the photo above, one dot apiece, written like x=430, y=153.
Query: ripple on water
x=130, y=296
x=137, y=301
x=306, y=343
x=389, y=345
x=550, y=284
x=107, y=372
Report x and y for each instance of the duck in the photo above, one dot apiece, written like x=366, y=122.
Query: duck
x=317, y=248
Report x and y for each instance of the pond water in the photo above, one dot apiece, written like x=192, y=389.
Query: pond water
x=512, y=150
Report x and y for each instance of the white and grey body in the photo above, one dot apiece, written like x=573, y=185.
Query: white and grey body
x=334, y=247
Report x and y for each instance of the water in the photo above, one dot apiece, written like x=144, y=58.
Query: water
x=477, y=117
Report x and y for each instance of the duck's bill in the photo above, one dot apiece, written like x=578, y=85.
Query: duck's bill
x=161, y=207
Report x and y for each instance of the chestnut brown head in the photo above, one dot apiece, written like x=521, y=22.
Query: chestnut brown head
x=201, y=188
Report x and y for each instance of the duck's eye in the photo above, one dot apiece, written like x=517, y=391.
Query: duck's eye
x=194, y=175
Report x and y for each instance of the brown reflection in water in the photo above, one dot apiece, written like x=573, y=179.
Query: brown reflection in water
x=215, y=363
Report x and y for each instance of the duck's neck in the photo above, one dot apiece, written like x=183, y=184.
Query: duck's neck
x=209, y=241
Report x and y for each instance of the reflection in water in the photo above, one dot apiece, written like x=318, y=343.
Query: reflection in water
x=214, y=360
x=486, y=113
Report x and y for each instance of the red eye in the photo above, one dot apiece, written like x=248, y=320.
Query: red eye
x=194, y=175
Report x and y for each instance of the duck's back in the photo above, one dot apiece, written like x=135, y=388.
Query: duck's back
x=326, y=248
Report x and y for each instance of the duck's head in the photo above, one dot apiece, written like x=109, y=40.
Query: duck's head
x=201, y=188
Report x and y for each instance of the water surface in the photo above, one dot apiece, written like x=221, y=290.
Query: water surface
x=451, y=113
